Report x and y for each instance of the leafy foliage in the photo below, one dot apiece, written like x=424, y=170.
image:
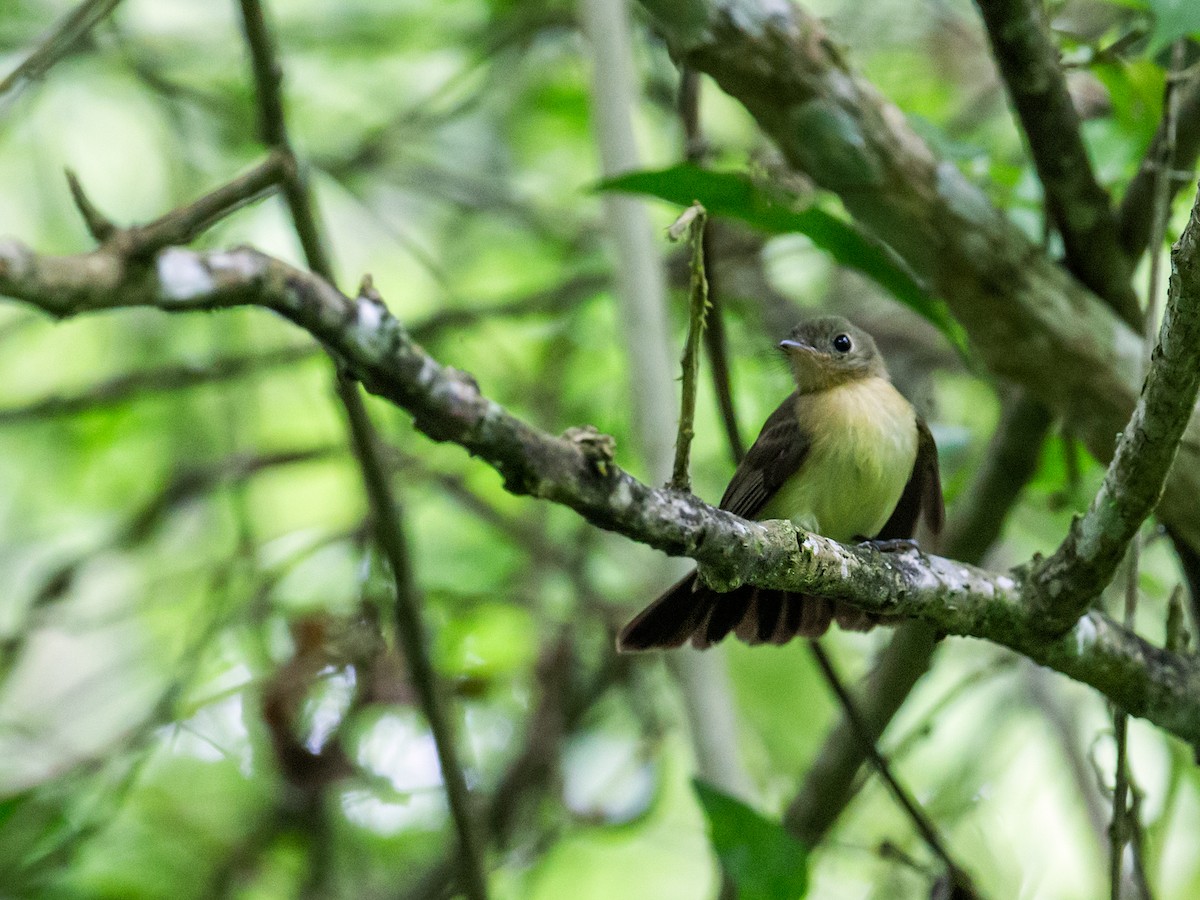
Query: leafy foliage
x=200, y=690
x=740, y=197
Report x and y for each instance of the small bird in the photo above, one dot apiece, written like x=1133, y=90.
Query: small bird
x=845, y=456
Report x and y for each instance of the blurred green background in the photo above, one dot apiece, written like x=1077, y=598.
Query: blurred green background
x=187, y=589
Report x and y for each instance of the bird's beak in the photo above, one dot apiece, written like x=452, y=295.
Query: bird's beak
x=788, y=346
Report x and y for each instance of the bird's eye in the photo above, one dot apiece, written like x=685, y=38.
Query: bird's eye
x=842, y=343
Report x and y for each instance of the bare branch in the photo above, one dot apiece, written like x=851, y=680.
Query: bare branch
x=98, y=225
x=690, y=361
x=59, y=42
x=184, y=224
x=1078, y=205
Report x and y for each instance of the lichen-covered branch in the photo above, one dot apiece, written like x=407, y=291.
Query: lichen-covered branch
x=447, y=405
x=1077, y=204
x=1086, y=561
x=1028, y=319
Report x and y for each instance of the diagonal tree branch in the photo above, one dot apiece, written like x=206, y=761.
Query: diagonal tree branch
x=447, y=405
x=924, y=825
x=185, y=223
x=59, y=42
x=1029, y=320
x=1066, y=582
x=1078, y=205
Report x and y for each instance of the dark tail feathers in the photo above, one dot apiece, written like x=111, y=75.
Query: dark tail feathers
x=690, y=610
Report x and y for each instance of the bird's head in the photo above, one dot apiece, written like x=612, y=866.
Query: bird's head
x=828, y=351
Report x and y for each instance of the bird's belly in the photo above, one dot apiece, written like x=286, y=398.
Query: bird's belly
x=852, y=480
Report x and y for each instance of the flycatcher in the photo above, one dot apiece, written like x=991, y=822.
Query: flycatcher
x=845, y=456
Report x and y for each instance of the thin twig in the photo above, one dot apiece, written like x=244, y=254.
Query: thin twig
x=184, y=224
x=59, y=42
x=716, y=346
x=1137, y=215
x=695, y=217
x=1116, y=830
x=165, y=379
x=386, y=512
x=925, y=827
x=99, y=226
x=715, y=343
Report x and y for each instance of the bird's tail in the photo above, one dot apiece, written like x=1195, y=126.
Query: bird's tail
x=690, y=610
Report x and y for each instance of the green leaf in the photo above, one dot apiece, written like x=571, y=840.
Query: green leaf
x=764, y=861
x=737, y=196
x=1173, y=19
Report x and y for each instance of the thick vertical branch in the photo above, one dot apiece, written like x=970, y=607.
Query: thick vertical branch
x=1078, y=205
x=386, y=517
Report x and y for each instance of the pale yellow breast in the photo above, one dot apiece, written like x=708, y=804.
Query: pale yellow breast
x=861, y=458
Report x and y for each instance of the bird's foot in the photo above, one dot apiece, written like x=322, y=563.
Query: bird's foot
x=891, y=545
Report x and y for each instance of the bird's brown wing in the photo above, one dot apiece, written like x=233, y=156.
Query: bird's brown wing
x=922, y=494
x=774, y=458
x=690, y=610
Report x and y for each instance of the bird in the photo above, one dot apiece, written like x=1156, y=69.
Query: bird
x=845, y=456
